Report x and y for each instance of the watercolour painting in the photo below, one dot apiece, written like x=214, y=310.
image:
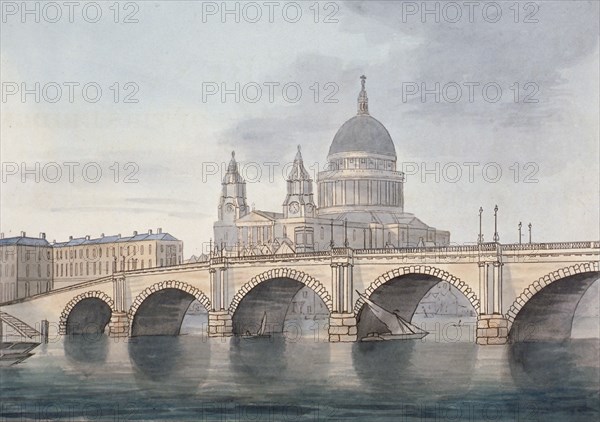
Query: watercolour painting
x=300, y=211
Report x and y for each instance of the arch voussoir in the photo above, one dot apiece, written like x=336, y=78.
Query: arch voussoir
x=424, y=270
x=166, y=284
x=64, y=315
x=283, y=272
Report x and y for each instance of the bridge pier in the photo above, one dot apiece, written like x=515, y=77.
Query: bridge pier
x=220, y=324
x=492, y=329
x=342, y=327
x=342, y=321
x=118, y=325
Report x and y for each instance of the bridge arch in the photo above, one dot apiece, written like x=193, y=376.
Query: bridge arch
x=545, y=309
x=402, y=289
x=93, y=294
x=179, y=296
x=290, y=273
x=419, y=270
x=272, y=293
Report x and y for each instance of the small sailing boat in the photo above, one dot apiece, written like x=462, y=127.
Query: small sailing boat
x=261, y=331
x=399, y=328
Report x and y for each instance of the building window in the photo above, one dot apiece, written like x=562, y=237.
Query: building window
x=76, y=272
x=81, y=268
x=150, y=249
x=71, y=270
x=150, y=263
x=100, y=252
x=161, y=262
x=87, y=268
x=142, y=250
x=162, y=249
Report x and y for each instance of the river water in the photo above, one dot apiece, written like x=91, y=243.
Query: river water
x=286, y=378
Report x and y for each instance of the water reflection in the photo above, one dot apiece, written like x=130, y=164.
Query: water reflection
x=414, y=368
x=549, y=365
x=86, y=351
x=258, y=360
x=173, y=362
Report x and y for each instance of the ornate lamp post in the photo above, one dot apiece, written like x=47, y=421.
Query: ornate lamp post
x=530, y=232
x=480, y=238
x=496, y=236
x=520, y=232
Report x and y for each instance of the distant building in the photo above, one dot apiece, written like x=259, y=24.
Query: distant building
x=25, y=266
x=360, y=201
x=30, y=266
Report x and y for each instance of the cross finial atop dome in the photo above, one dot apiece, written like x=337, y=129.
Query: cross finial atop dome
x=363, y=100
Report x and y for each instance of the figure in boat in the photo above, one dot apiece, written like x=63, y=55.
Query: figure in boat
x=399, y=328
x=261, y=331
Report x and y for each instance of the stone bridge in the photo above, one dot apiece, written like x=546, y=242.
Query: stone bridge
x=518, y=291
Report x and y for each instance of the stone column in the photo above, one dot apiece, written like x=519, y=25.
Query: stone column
x=335, y=286
x=483, y=288
x=497, y=288
x=213, y=289
x=223, y=287
x=349, y=288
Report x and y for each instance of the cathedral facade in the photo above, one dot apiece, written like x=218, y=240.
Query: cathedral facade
x=359, y=201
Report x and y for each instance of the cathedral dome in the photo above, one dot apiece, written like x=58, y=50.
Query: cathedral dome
x=363, y=133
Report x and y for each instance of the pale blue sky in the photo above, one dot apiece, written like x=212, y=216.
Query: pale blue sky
x=170, y=132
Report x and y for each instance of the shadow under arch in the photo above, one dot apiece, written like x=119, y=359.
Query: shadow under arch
x=545, y=312
x=87, y=313
x=272, y=293
x=89, y=317
x=401, y=290
x=159, y=310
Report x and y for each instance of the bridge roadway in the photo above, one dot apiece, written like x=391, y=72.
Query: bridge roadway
x=520, y=292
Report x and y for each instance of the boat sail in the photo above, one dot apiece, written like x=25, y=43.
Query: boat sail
x=399, y=328
x=261, y=331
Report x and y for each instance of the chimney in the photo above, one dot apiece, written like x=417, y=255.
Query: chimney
x=135, y=232
x=23, y=234
x=43, y=236
x=70, y=237
x=87, y=237
x=159, y=230
x=119, y=236
x=2, y=235
x=101, y=234
x=149, y=231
